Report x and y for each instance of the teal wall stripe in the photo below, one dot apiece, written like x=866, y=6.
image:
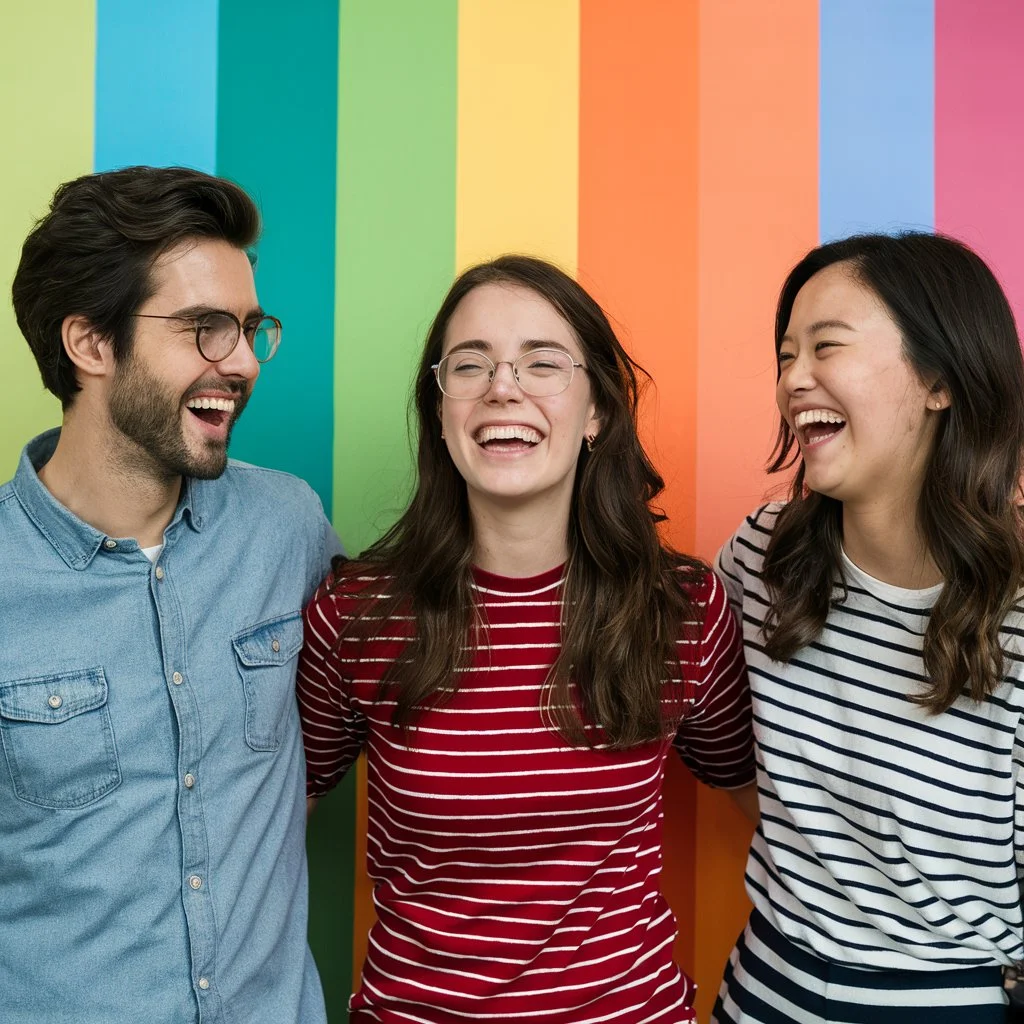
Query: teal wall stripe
x=396, y=239
x=277, y=137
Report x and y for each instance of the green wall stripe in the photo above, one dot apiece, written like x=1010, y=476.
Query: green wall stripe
x=53, y=88
x=277, y=136
x=396, y=239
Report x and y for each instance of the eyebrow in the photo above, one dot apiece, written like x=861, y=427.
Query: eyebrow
x=527, y=345
x=824, y=325
x=203, y=310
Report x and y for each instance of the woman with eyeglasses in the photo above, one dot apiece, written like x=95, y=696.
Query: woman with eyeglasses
x=518, y=656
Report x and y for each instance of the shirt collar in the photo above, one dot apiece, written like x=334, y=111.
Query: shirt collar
x=74, y=539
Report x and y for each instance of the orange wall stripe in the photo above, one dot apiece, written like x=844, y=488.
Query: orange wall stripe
x=758, y=214
x=637, y=256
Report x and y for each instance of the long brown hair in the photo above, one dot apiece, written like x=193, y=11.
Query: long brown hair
x=623, y=605
x=959, y=331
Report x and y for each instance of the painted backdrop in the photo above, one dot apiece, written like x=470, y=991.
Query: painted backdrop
x=677, y=155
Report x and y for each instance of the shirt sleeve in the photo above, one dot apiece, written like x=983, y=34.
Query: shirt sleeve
x=1018, y=818
x=715, y=739
x=332, y=728
x=730, y=571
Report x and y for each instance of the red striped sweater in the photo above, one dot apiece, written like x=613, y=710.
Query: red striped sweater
x=516, y=876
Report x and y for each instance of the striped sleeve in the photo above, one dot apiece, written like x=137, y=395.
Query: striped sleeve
x=716, y=739
x=332, y=731
x=1018, y=817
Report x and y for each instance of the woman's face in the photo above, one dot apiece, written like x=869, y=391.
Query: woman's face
x=513, y=448
x=864, y=419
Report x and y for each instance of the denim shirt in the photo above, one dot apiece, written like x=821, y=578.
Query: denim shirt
x=152, y=790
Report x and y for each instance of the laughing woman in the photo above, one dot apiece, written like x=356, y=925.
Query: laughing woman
x=518, y=656
x=883, y=633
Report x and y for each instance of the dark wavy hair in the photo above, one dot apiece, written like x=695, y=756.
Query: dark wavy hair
x=92, y=254
x=958, y=331
x=624, y=606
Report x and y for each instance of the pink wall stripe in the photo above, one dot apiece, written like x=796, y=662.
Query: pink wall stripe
x=979, y=132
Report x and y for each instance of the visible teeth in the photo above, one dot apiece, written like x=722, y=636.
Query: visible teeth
x=221, y=404
x=803, y=419
x=512, y=432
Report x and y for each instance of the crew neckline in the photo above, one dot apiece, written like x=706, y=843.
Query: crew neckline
x=887, y=591
x=517, y=584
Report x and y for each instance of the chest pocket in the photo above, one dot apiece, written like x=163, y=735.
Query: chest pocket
x=267, y=656
x=57, y=738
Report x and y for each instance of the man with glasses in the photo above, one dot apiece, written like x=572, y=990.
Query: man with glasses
x=152, y=863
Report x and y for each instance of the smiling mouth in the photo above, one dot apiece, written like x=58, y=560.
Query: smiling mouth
x=512, y=438
x=816, y=426
x=215, y=412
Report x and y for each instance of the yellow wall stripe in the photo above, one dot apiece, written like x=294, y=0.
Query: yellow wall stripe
x=517, y=163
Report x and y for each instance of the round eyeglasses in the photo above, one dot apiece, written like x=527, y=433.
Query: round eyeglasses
x=541, y=372
x=218, y=333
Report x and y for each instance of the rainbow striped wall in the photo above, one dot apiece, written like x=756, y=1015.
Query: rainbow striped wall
x=678, y=155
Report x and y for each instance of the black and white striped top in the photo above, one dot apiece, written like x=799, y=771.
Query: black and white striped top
x=890, y=838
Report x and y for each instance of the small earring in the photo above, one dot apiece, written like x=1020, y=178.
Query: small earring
x=442, y=433
x=590, y=438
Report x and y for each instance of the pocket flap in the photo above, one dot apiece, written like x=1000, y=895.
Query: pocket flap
x=270, y=643
x=53, y=699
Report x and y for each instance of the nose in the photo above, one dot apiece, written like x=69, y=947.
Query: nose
x=797, y=374
x=240, y=362
x=504, y=386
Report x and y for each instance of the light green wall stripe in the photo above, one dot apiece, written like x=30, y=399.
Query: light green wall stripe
x=46, y=124
x=396, y=240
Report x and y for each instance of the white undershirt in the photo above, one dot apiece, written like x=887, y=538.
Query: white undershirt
x=152, y=553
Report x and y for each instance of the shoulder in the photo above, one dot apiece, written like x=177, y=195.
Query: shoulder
x=349, y=590
x=746, y=547
x=756, y=529
x=708, y=595
x=288, y=498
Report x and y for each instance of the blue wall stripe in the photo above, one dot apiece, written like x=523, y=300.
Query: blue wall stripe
x=278, y=129
x=156, y=83
x=877, y=116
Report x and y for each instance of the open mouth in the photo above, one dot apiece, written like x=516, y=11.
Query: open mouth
x=817, y=426
x=515, y=437
x=214, y=412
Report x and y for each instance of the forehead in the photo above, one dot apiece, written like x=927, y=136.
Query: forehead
x=506, y=317
x=204, y=272
x=836, y=293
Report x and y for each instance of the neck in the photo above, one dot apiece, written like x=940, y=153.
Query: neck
x=87, y=476
x=518, y=541
x=885, y=541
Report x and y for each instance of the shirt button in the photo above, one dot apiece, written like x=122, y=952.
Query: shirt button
x=177, y=679
x=276, y=645
x=195, y=881
x=190, y=780
x=54, y=701
x=110, y=544
x=159, y=572
x=204, y=984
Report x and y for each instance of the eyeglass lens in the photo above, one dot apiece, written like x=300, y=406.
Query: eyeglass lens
x=541, y=373
x=217, y=334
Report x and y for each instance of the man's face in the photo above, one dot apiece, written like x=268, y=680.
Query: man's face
x=156, y=392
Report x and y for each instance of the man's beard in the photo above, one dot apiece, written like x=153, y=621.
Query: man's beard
x=150, y=414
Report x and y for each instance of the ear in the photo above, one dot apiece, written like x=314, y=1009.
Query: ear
x=592, y=428
x=938, y=398
x=90, y=351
